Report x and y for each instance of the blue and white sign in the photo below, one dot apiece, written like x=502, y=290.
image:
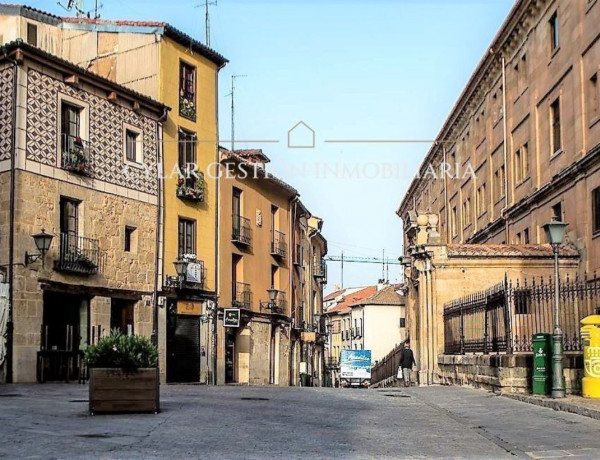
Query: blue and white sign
x=355, y=364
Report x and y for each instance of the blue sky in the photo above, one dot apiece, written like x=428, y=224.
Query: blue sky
x=379, y=69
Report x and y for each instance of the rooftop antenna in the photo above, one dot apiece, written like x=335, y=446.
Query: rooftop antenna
x=77, y=5
x=232, y=94
x=207, y=3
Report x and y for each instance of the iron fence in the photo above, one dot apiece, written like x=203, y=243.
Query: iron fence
x=504, y=317
x=388, y=366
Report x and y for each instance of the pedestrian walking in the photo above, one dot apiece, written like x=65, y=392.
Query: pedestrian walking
x=407, y=361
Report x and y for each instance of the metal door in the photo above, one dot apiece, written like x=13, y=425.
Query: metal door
x=183, y=349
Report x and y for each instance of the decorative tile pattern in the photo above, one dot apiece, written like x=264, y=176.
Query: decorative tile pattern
x=6, y=106
x=105, y=134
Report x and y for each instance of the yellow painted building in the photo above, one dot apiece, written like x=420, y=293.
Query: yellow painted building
x=159, y=61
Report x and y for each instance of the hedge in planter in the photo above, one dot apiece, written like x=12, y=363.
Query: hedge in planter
x=123, y=374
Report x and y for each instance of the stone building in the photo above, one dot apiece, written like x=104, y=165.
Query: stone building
x=78, y=161
x=161, y=62
x=520, y=147
x=268, y=241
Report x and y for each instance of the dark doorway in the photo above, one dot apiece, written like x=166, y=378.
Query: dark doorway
x=230, y=357
x=183, y=347
x=121, y=315
x=65, y=324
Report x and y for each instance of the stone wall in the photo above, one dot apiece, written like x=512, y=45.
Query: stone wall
x=502, y=373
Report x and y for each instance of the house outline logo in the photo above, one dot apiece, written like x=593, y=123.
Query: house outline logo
x=301, y=145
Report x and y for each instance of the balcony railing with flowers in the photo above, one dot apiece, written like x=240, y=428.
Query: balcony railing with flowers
x=191, y=187
x=75, y=155
x=187, y=105
x=77, y=255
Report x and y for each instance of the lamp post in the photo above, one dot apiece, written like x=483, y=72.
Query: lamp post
x=555, y=233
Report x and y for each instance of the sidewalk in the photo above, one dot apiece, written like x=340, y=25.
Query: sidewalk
x=574, y=404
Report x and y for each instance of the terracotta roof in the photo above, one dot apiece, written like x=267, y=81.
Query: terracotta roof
x=351, y=299
x=385, y=296
x=30, y=12
x=509, y=250
x=253, y=154
x=334, y=294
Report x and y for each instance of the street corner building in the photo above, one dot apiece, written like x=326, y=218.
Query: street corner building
x=78, y=173
x=478, y=266
x=271, y=273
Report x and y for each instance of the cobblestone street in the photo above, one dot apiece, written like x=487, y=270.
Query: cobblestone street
x=51, y=421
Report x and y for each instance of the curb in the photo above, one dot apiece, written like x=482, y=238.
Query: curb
x=563, y=406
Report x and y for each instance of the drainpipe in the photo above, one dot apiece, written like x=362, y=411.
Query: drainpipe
x=293, y=212
x=504, y=149
x=11, y=232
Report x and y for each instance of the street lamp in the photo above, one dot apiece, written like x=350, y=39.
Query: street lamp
x=272, y=296
x=555, y=234
x=42, y=242
x=181, y=266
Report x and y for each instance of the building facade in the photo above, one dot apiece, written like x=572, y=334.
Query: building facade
x=67, y=170
x=265, y=244
x=161, y=62
x=520, y=147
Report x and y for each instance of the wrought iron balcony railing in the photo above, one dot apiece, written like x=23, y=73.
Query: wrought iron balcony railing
x=278, y=244
x=331, y=362
x=280, y=303
x=77, y=255
x=75, y=155
x=241, y=295
x=319, y=268
x=241, y=231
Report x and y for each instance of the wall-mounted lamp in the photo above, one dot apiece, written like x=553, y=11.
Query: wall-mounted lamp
x=272, y=296
x=42, y=242
x=181, y=266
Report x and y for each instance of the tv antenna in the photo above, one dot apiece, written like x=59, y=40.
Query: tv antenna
x=232, y=94
x=77, y=5
x=207, y=3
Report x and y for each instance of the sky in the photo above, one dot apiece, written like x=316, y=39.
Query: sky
x=350, y=70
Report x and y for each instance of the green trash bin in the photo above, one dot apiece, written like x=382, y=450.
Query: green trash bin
x=542, y=365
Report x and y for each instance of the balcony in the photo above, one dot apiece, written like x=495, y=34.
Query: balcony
x=331, y=362
x=77, y=255
x=278, y=244
x=241, y=296
x=191, y=188
x=241, y=231
x=319, y=268
x=187, y=105
x=75, y=155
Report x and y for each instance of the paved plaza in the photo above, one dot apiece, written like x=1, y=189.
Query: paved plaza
x=51, y=421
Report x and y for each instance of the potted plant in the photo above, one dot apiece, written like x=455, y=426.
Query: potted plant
x=123, y=374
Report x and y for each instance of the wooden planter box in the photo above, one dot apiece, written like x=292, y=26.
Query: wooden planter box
x=114, y=390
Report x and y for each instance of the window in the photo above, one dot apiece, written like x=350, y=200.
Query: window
x=453, y=222
x=69, y=216
x=593, y=97
x=526, y=236
x=236, y=202
x=518, y=238
x=274, y=277
x=129, y=236
x=121, y=315
x=555, y=138
x=32, y=34
x=522, y=301
x=70, y=125
x=522, y=163
x=466, y=213
x=521, y=74
x=596, y=210
x=557, y=211
x=131, y=139
x=480, y=200
x=187, y=91
x=499, y=182
x=402, y=322
x=187, y=157
x=554, y=39
x=186, y=237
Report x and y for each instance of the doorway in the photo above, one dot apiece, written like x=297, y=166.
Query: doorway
x=183, y=347
x=121, y=315
x=229, y=357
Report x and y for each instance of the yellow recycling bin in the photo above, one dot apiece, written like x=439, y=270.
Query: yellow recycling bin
x=590, y=334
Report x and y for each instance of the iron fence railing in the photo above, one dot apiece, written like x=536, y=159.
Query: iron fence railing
x=319, y=267
x=388, y=366
x=278, y=244
x=242, y=295
x=75, y=155
x=77, y=254
x=505, y=317
x=241, y=231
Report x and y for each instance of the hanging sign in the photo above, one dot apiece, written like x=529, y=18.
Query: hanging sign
x=231, y=317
